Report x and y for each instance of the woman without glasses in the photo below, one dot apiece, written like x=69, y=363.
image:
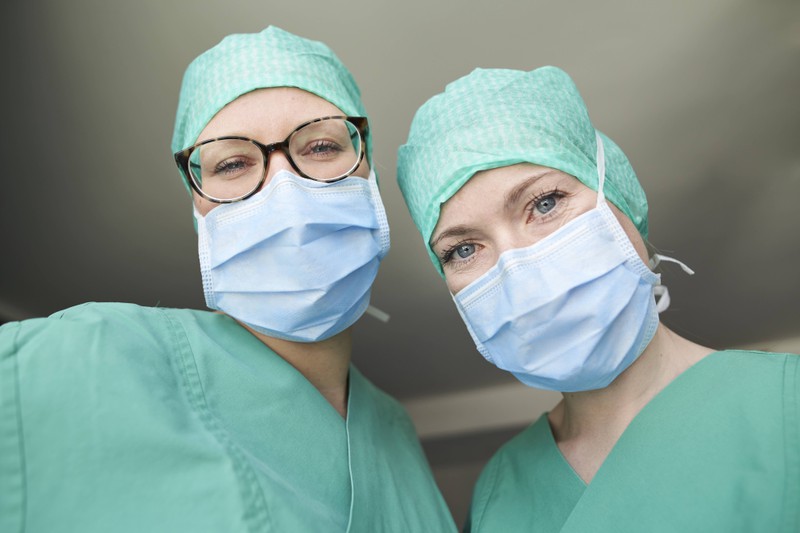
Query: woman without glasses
x=538, y=224
x=122, y=418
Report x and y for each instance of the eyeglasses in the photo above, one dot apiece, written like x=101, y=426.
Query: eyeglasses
x=230, y=169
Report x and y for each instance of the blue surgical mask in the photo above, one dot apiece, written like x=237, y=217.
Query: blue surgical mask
x=572, y=311
x=297, y=260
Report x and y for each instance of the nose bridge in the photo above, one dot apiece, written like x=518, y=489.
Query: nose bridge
x=511, y=237
x=277, y=160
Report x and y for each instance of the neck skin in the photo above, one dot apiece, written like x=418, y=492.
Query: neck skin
x=325, y=364
x=586, y=425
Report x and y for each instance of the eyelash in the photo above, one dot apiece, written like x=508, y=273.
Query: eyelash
x=537, y=198
x=447, y=255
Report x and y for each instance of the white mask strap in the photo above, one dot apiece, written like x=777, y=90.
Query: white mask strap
x=662, y=298
x=661, y=291
x=601, y=170
x=658, y=258
x=374, y=312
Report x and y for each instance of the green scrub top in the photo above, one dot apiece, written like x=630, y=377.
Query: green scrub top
x=718, y=450
x=115, y=417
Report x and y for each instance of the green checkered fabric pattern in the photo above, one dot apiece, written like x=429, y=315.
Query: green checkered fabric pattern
x=496, y=117
x=241, y=63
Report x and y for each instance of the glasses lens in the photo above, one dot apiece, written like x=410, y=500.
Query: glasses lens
x=227, y=169
x=327, y=149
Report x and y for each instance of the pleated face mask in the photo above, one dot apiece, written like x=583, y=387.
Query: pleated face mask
x=572, y=311
x=297, y=260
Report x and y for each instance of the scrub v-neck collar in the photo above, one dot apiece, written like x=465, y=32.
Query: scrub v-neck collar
x=632, y=428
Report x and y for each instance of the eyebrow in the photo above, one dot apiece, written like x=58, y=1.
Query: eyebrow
x=510, y=199
x=513, y=196
x=455, y=231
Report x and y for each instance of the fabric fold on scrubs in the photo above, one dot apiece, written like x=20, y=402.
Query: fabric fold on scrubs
x=181, y=420
x=718, y=450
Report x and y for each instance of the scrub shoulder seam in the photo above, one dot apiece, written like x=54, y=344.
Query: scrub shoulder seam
x=791, y=421
x=13, y=479
x=256, y=512
x=486, y=495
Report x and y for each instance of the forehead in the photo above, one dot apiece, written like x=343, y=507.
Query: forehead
x=492, y=186
x=499, y=179
x=268, y=114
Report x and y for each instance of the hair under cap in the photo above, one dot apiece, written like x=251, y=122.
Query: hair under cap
x=241, y=63
x=494, y=118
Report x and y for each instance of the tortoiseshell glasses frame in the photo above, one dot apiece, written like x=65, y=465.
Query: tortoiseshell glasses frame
x=182, y=158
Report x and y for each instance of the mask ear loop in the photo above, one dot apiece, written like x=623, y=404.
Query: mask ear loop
x=662, y=298
x=601, y=170
x=660, y=291
x=376, y=313
x=658, y=258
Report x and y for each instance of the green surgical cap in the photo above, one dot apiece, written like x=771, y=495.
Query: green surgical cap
x=242, y=63
x=494, y=118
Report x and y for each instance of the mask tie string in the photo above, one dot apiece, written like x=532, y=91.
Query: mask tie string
x=660, y=291
x=601, y=170
x=376, y=313
x=658, y=258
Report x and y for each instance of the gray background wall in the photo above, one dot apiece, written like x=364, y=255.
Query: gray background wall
x=702, y=96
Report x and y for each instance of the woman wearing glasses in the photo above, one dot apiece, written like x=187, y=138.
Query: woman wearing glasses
x=122, y=418
x=538, y=225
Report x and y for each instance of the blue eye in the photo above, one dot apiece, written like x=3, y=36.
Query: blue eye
x=464, y=250
x=230, y=166
x=459, y=254
x=546, y=204
x=324, y=148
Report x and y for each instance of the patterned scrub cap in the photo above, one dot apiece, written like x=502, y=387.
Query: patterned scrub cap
x=494, y=118
x=241, y=63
